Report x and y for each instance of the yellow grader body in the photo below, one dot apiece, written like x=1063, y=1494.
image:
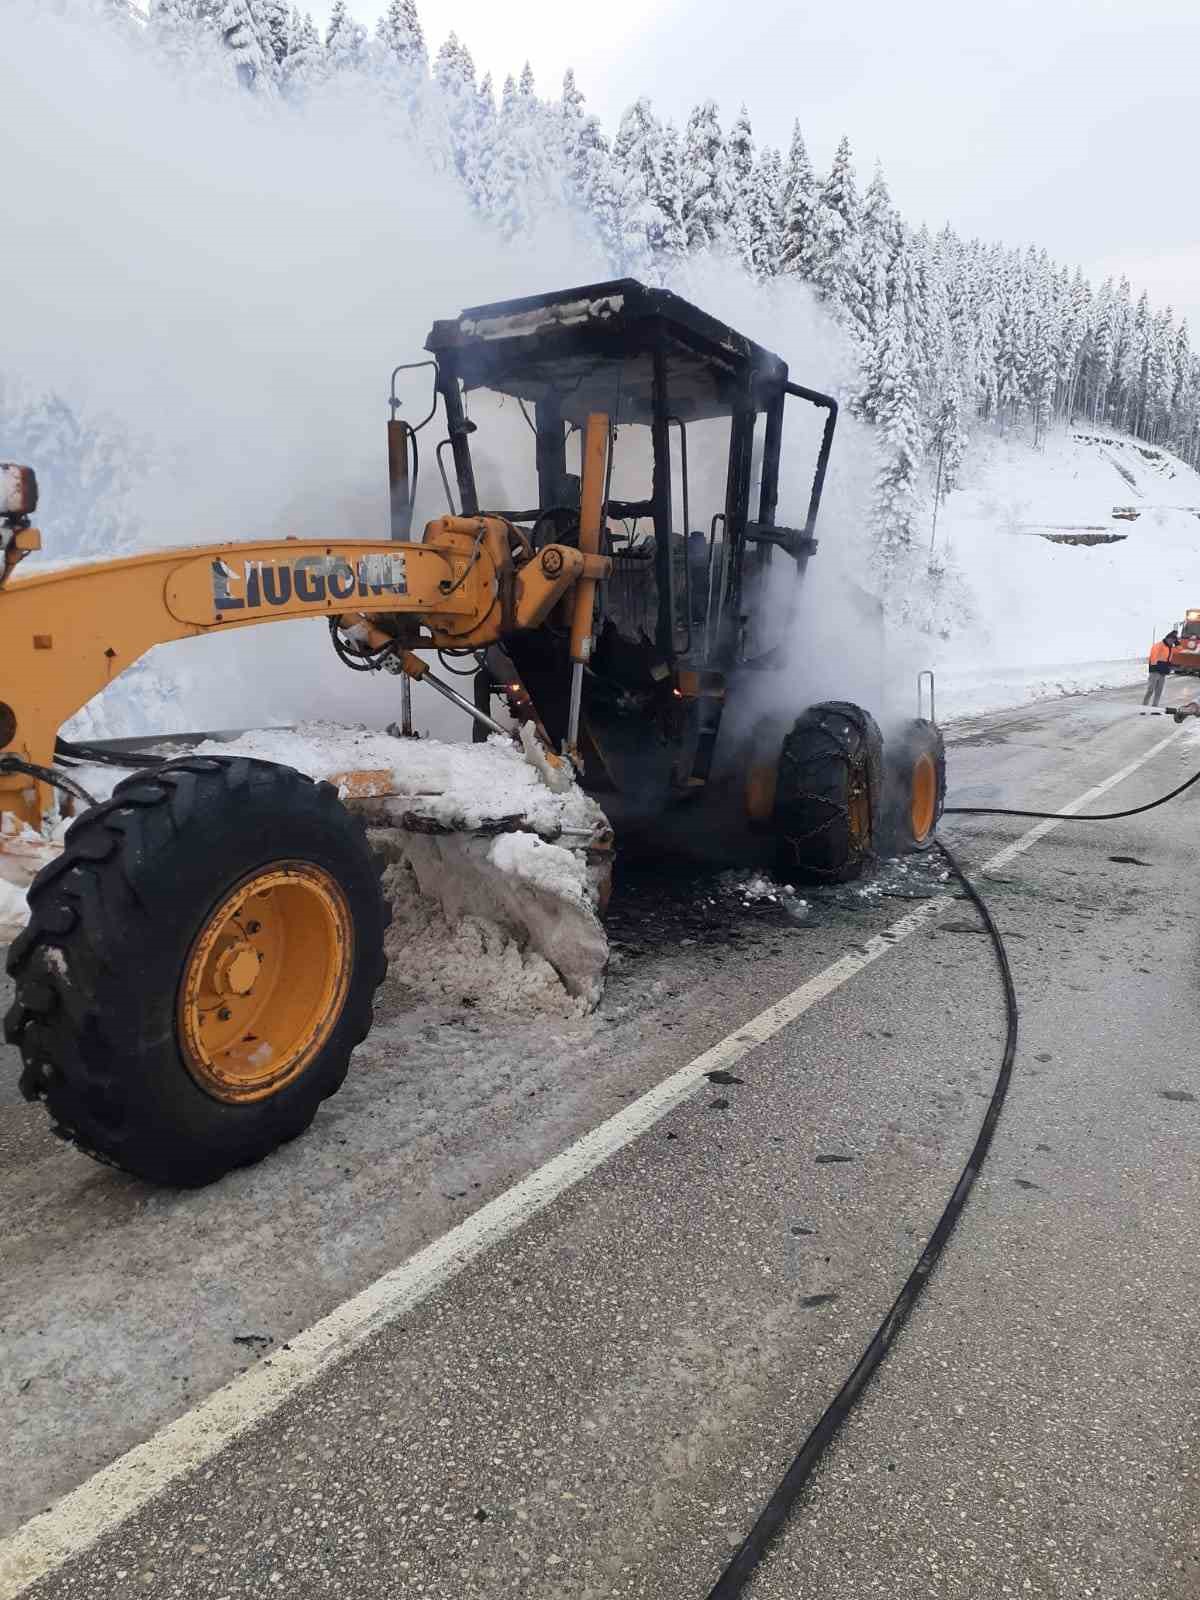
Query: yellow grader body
x=65, y=635
x=202, y=958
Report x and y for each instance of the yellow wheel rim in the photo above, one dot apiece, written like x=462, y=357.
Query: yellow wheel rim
x=922, y=808
x=265, y=981
x=859, y=809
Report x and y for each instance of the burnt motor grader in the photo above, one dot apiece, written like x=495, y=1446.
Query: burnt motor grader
x=201, y=961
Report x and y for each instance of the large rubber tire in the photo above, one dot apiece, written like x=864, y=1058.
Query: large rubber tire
x=828, y=794
x=914, y=778
x=112, y=928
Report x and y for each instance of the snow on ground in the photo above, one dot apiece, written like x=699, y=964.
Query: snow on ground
x=975, y=693
x=1053, y=618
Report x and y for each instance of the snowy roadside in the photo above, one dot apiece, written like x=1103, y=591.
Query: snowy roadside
x=983, y=690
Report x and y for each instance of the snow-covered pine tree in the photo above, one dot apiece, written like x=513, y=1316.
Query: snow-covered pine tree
x=905, y=291
x=539, y=130
x=669, y=195
x=275, y=28
x=1011, y=356
x=1134, y=356
x=1040, y=369
x=1181, y=369
x=983, y=300
x=588, y=180
x=241, y=31
x=1122, y=315
x=829, y=259
x=1160, y=376
x=706, y=189
x=454, y=75
x=954, y=268
x=738, y=226
x=509, y=198
x=938, y=370
x=400, y=39
x=1077, y=312
x=636, y=155
x=766, y=241
x=521, y=174
x=304, y=66
x=896, y=482
x=570, y=116
x=481, y=145
x=948, y=436
x=879, y=239
x=1098, y=373
x=86, y=468
x=796, y=205
x=176, y=34
x=345, y=41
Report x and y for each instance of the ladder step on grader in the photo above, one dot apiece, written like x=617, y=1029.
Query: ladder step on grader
x=201, y=960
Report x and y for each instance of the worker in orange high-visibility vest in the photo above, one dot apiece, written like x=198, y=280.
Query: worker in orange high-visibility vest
x=1160, y=668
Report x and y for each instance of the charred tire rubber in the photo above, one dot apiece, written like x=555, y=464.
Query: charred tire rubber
x=828, y=794
x=114, y=926
x=914, y=787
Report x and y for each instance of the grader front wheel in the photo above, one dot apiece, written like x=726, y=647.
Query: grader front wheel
x=265, y=981
x=198, y=967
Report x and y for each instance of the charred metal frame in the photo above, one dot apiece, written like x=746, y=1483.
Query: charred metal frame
x=660, y=497
x=746, y=381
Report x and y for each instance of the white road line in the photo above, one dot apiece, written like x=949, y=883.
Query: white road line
x=114, y=1493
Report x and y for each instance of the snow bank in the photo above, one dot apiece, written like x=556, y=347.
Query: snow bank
x=972, y=694
x=1047, y=613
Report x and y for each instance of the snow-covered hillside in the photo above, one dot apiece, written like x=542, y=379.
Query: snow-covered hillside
x=1055, y=616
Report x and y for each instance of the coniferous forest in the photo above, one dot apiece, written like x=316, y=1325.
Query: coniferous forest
x=949, y=334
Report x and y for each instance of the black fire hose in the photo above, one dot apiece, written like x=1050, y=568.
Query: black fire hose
x=737, y=1574
x=774, y=1514
x=1070, y=816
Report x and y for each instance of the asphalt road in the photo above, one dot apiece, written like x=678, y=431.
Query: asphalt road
x=599, y=1403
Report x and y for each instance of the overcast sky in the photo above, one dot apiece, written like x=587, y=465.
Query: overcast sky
x=1071, y=124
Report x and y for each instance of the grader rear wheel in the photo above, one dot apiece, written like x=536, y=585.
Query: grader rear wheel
x=198, y=967
x=828, y=793
x=914, y=787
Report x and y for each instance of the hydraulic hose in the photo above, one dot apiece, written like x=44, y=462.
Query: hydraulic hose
x=1069, y=816
x=54, y=776
x=737, y=1574
x=771, y=1519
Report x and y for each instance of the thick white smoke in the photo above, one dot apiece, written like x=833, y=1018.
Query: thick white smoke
x=233, y=282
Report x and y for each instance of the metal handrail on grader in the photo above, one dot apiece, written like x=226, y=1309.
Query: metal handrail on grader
x=201, y=962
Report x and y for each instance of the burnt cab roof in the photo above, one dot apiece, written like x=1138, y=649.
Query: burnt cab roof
x=593, y=349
